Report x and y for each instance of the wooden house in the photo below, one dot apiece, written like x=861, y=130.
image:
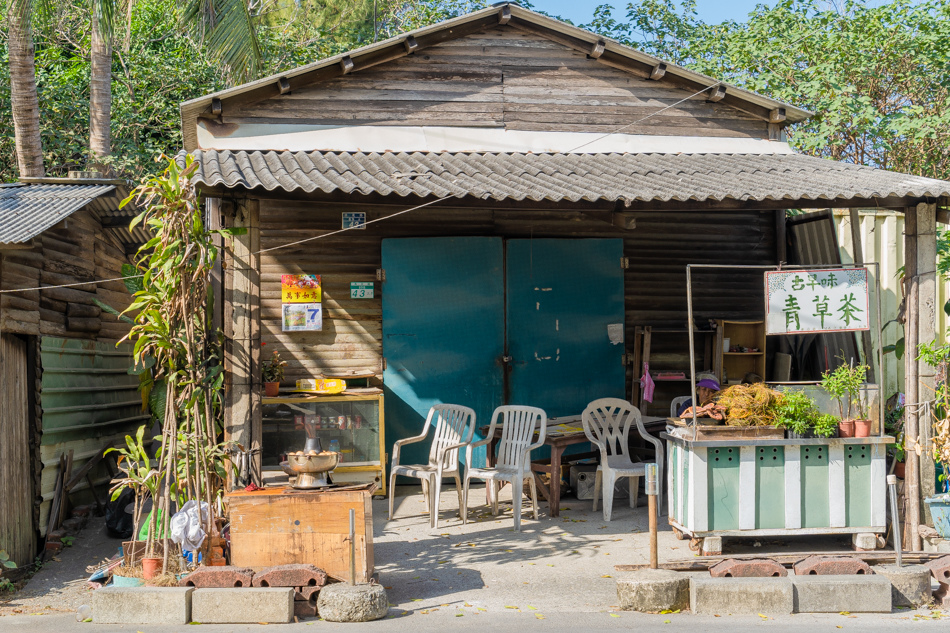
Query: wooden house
x=64, y=384
x=526, y=196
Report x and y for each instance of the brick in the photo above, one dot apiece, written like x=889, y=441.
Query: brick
x=910, y=584
x=82, y=511
x=306, y=593
x=243, y=605
x=752, y=568
x=831, y=566
x=864, y=542
x=291, y=576
x=212, y=577
x=942, y=595
x=855, y=593
x=940, y=569
x=73, y=526
x=740, y=596
x=653, y=590
x=142, y=605
x=56, y=536
x=306, y=608
x=53, y=546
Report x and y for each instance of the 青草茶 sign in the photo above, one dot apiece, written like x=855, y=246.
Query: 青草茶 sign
x=828, y=300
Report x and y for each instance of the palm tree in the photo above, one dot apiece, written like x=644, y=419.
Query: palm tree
x=23, y=95
x=100, y=82
x=228, y=28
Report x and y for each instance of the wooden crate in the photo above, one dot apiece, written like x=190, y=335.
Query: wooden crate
x=279, y=526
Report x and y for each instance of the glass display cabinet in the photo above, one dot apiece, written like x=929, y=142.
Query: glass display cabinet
x=351, y=424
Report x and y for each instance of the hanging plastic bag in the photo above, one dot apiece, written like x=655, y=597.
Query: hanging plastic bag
x=186, y=525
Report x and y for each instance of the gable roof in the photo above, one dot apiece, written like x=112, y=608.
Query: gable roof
x=28, y=210
x=606, y=50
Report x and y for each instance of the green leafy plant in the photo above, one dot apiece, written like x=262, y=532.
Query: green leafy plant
x=825, y=425
x=5, y=563
x=272, y=369
x=796, y=412
x=938, y=357
x=140, y=477
x=844, y=385
x=68, y=540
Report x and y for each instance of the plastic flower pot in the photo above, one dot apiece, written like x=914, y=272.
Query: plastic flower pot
x=271, y=389
x=151, y=567
x=899, y=469
x=846, y=428
x=862, y=428
x=940, y=511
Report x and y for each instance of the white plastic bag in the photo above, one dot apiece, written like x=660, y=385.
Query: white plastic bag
x=186, y=525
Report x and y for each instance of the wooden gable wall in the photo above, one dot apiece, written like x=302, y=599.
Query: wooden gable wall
x=502, y=77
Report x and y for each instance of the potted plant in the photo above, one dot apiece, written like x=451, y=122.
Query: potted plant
x=844, y=385
x=800, y=416
x=272, y=371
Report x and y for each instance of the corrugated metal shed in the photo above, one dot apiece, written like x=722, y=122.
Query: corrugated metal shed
x=562, y=177
x=26, y=210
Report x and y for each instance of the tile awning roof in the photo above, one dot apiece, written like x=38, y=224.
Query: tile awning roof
x=562, y=177
x=26, y=210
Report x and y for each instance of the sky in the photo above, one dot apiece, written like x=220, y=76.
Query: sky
x=711, y=11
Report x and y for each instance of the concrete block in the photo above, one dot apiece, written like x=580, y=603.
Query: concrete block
x=741, y=596
x=652, y=590
x=239, y=605
x=712, y=546
x=856, y=593
x=864, y=541
x=910, y=584
x=142, y=605
x=215, y=577
x=831, y=566
x=342, y=602
x=297, y=575
x=750, y=568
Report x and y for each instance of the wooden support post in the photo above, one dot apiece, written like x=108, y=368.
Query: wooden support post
x=912, y=478
x=242, y=413
x=926, y=333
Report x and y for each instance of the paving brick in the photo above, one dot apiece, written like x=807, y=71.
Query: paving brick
x=214, y=577
x=56, y=536
x=73, y=525
x=291, y=576
x=831, y=566
x=82, y=511
x=241, y=605
x=740, y=596
x=752, y=568
x=306, y=608
x=940, y=569
x=53, y=546
x=711, y=546
x=856, y=593
x=306, y=593
x=864, y=542
x=653, y=590
x=142, y=605
x=910, y=584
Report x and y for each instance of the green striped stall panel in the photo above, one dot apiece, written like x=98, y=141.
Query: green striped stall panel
x=770, y=487
x=723, y=488
x=857, y=485
x=814, y=469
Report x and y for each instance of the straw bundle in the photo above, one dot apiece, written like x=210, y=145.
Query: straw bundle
x=750, y=405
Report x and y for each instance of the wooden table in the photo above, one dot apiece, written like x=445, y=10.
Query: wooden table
x=558, y=440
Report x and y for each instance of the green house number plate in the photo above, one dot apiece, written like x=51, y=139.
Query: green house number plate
x=361, y=290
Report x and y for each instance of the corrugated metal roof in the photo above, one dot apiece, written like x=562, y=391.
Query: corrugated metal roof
x=562, y=177
x=29, y=209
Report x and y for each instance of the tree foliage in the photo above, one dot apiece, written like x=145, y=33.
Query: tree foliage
x=877, y=77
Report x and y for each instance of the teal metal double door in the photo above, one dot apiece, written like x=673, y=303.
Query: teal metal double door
x=482, y=321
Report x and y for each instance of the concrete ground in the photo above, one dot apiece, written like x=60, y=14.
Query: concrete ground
x=557, y=574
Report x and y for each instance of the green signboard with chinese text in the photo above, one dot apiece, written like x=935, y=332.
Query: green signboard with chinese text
x=809, y=301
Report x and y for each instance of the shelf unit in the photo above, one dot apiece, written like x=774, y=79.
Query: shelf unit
x=730, y=367
x=362, y=448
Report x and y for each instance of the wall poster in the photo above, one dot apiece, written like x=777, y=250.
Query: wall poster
x=301, y=309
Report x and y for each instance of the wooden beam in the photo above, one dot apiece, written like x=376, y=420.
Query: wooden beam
x=927, y=311
x=504, y=15
x=25, y=246
x=598, y=49
x=716, y=94
x=777, y=115
x=943, y=216
x=411, y=44
x=347, y=65
x=216, y=107
x=624, y=221
x=283, y=85
x=114, y=222
x=658, y=71
x=912, y=538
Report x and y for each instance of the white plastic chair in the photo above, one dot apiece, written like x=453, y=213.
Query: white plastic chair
x=454, y=428
x=514, y=457
x=676, y=404
x=607, y=425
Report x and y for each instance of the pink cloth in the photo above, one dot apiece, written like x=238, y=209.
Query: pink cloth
x=646, y=383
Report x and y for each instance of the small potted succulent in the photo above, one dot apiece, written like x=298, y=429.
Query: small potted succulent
x=272, y=372
x=844, y=385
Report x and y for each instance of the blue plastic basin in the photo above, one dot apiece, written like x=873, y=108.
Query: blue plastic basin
x=940, y=511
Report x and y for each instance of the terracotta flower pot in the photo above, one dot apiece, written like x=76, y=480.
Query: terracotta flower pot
x=271, y=389
x=899, y=469
x=862, y=428
x=151, y=567
x=846, y=428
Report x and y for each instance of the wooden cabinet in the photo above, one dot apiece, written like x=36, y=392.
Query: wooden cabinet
x=352, y=420
x=282, y=526
x=747, y=338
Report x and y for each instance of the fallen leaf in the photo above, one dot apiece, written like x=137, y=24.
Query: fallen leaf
x=539, y=616
x=510, y=607
x=666, y=621
x=442, y=562
x=417, y=599
x=532, y=608
x=844, y=613
x=458, y=615
x=614, y=615
x=606, y=576
x=764, y=617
